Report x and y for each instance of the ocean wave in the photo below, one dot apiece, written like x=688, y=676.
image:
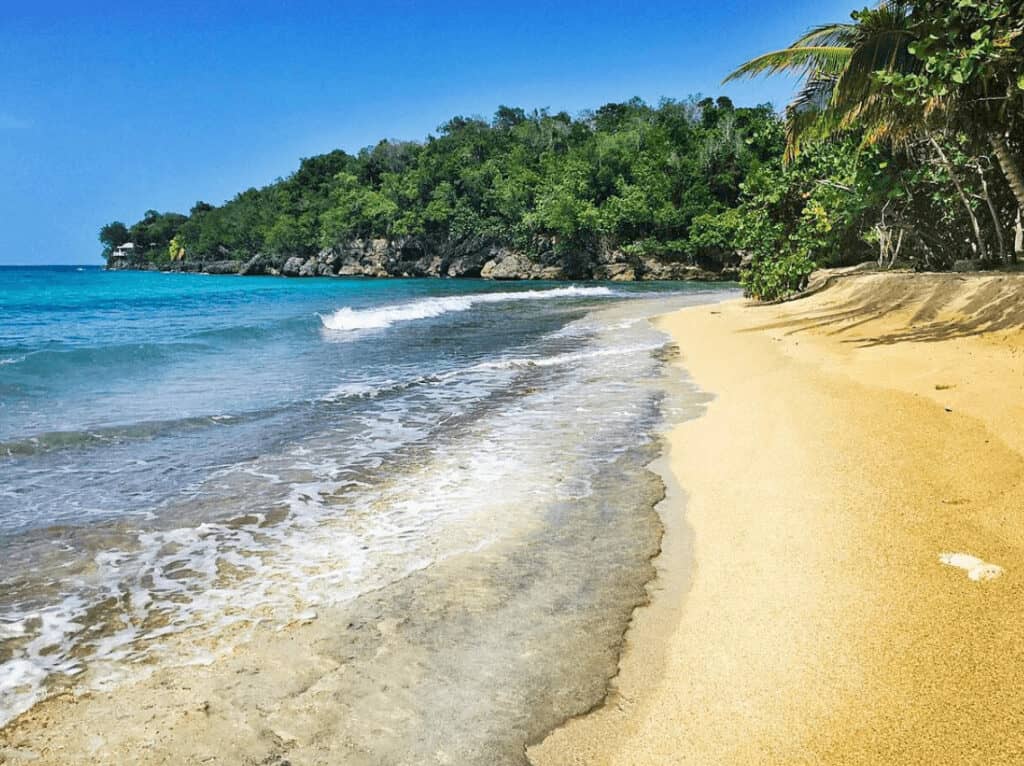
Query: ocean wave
x=251, y=332
x=52, y=363
x=568, y=358
x=347, y=319
x=327, y=525
x=53, y=441
x=369, y=389
x=374, y=389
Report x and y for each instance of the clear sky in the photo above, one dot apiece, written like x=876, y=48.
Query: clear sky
x=108, y=109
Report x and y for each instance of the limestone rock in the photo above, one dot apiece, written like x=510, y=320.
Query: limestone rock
x=653, y=268
x=549, y=272
x=616, y=272
x=292, y=266
x=221, y=267
x=509, y=264
x=255, y=265
x=481, y=256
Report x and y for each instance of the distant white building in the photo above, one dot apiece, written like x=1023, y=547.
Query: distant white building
x=123, y=251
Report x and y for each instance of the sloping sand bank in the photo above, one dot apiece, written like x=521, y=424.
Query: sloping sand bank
x=856, y=438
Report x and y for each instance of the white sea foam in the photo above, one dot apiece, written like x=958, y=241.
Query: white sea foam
x=359, y=515
x=347, y=319
x=976, y=569
x=571, y=357
x=367, y=389
x=370, y=390
x=12, y=629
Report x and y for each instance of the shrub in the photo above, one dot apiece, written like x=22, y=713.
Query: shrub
x=778, y=276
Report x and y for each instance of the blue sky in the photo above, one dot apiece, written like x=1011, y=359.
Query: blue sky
x=108, y=109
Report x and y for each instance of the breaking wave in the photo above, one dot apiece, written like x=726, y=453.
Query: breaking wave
x=347, y=319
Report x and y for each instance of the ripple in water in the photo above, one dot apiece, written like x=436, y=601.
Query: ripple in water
x=499, y=511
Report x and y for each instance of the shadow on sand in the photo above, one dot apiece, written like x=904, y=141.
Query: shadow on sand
x=940, y=307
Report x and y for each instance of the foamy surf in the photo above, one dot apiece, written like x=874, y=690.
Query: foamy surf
x=347, y=319
x=362, y=390
x=340, y=532
x=336, y=479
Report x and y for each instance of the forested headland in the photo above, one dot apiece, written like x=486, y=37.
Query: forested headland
x=621, y=191
x=902, y=146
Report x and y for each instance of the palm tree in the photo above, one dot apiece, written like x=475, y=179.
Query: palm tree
x=837, y=63
x=839, y=66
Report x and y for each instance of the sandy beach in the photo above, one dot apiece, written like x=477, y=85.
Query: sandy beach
x=839, y=578
x=856, y=436
x=527, y=385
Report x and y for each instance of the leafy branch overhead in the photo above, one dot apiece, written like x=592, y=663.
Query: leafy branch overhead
x=934, y=87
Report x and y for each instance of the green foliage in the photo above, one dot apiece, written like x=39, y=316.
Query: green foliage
x=779, y=276
x=153, y=234
x=839, y=65
x=175, y=250
x=715, y=235
x=896, y=139
x=969, y=55
x=903, y=143
x=286, y=236
x=113, y=235
x=626, y=175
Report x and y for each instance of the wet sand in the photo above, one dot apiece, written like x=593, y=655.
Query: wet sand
x=856, y=437
x=801, y=612
x=506, y=578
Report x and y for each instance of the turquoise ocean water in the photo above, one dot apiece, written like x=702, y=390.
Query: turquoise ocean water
x=181, y=453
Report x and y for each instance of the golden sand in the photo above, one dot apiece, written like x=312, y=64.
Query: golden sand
x=804, y=617
x=856, y=436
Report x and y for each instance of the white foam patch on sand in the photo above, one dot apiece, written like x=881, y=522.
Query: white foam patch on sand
x=976, y=569
x=347, y=319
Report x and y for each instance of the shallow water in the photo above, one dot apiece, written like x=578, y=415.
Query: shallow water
x=182, y=454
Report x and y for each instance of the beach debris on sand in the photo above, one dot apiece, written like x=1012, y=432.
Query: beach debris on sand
x=975, y=568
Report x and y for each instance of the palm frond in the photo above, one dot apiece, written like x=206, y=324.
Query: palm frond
x=809, y=118
x=798, y=60
x=827, y=34
x=885, y=52
x=839, y=65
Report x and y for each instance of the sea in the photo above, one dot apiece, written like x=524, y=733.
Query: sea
x=185, y=457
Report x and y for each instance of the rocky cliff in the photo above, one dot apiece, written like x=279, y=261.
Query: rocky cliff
x=414, y=257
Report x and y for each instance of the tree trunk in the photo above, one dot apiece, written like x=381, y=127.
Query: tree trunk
x=995, y=216
x=1018, y=238
x=1009, y=166
x=982, y=250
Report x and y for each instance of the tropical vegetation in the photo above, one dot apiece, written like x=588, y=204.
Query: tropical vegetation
x=905, y=137
x=902, y=145
x=647, y=179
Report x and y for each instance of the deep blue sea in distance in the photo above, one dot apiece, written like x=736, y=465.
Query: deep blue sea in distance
x=180, y=453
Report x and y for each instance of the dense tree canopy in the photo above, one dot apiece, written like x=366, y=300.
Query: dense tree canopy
x=113, y=235
x=905, y=137
x=626, y=174
x=903, y=144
